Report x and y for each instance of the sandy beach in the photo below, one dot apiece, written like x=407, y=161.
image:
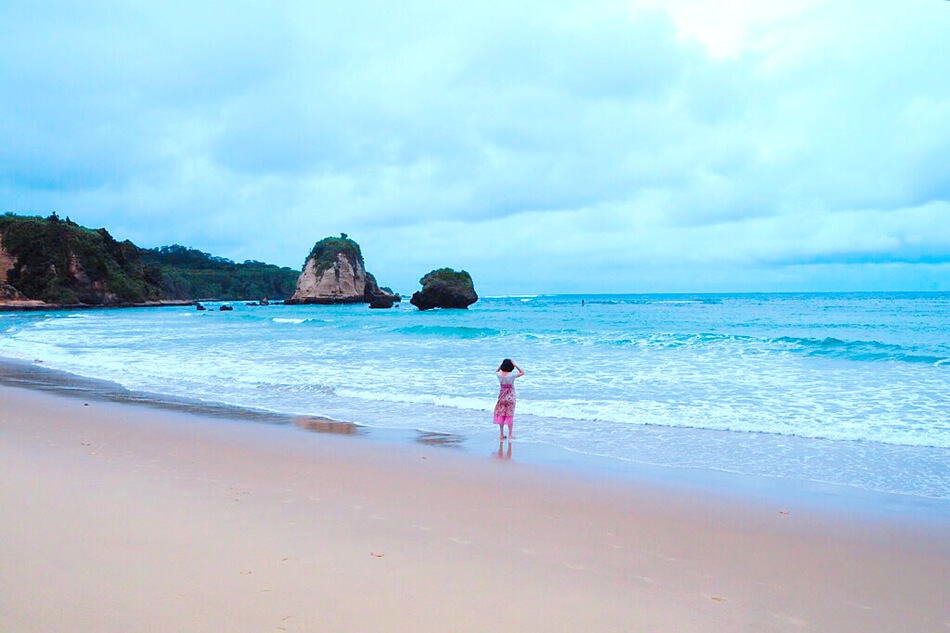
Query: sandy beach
x=129, y=518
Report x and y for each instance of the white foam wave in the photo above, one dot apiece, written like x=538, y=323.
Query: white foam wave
x=456, y=402
x=285, y=320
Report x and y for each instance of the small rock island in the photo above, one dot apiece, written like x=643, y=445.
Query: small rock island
x=445, y=288
x=334, y=272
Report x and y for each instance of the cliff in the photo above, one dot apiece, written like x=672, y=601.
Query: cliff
x=6, y=262
x=334, y=272
x=60, y=262
x=63, y=264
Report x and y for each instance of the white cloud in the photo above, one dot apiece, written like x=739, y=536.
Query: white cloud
x=642, y=146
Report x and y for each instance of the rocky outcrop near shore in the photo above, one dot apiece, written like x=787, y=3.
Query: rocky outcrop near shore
x=6, y=262
x=8, y=293
x=12, y=299
x=445, y=288
x=334, y=272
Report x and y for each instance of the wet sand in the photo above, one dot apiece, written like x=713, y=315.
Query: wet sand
x=116, y=517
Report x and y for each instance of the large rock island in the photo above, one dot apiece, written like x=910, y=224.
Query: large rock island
x=335, y=273
x=445, y=288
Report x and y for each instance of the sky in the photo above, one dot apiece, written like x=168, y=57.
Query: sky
x=545, y=147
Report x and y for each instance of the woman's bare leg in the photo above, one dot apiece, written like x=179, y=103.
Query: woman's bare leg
x=501, y=431
x=511, y=431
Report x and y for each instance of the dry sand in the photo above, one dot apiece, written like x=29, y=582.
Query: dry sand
x=126, y=518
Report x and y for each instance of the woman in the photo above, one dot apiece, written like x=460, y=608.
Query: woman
x=505, y=409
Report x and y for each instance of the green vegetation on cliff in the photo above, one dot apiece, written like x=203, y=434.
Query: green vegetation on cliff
x=326, y=250
x=60, y=262
x=186, y=273
x=460, y=279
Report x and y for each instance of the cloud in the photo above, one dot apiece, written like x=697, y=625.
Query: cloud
x=638, y=146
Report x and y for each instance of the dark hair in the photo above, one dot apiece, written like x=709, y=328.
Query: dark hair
x=507, y=365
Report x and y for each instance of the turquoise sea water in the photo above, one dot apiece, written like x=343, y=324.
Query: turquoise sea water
x=847, y=389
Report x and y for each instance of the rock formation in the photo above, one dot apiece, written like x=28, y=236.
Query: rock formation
x=10, y=296
x=381, y=303
x=9, y=293
x=6, y=261
x=445, y=288
x=334, y=273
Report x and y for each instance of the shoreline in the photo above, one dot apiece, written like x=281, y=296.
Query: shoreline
x=181, y=521
x=816, y=496
x=35, y=305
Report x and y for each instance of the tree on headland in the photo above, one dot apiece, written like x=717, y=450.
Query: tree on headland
x=63, y=263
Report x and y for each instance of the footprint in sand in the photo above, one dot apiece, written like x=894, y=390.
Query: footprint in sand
x=657, y=554
x=791, y=620
x=717, y=599
x=770, y=585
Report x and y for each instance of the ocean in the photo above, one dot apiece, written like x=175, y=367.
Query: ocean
x=847, y=389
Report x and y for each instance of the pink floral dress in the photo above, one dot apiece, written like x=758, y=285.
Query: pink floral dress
x=505, y=409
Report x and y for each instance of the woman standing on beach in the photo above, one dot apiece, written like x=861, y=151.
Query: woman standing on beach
x=505, y=409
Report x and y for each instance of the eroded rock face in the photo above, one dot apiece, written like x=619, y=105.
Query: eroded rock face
x=445, y=288
x=341, y=283
x=6, y=262
x=381, y=303
x=9, y=293
x=334, y=273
